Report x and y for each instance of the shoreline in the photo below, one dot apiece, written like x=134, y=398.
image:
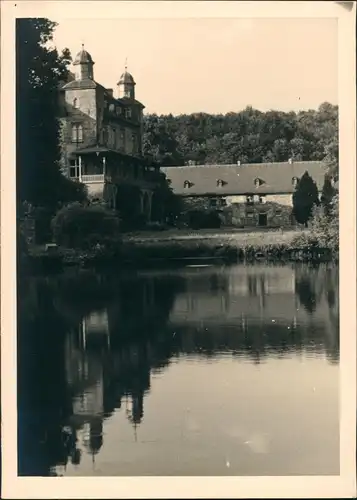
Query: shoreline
x=184, y=248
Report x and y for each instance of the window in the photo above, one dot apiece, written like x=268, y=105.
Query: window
x=250, y=215
x=257, y=182
x=73, y=169
x=118, y=110
x=213, y=202
x=75, y=102
x=262, y=198
x=133, y=140
x=77, y=133
x=250, y=199
x=111, y=108
x=127, y=113
x=278, y=213
x=223, y=202
x=135, y=171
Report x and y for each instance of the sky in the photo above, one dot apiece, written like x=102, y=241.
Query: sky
x=213, y=65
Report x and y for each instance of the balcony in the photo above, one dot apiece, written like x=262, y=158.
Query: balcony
x=92, y=178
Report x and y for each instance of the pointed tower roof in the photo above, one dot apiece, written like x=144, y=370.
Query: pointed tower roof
x=83, y=57
x=126, y=77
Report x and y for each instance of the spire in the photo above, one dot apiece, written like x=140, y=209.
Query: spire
x=126, y=64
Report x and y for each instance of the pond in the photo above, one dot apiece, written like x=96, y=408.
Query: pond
x=192, y=372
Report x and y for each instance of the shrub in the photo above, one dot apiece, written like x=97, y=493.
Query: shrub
x=324, y=228
x=305, y=197
x=200, y=219
x=79, y=226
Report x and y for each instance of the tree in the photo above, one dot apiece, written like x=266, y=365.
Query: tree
x=79, y=226
x=325, y=225
x=305, y=197
x=40, y=71
x=248, y=136
x=327, y=195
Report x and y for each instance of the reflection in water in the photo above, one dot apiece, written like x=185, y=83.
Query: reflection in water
x=94, y=350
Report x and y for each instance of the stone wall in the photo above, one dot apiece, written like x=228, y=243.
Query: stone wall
x=243, y=215
x=280, y=199
x=85, y=114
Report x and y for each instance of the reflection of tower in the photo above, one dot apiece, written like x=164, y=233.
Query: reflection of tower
x=93, y=436
x=135, y=409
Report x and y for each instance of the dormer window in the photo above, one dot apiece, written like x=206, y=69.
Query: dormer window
x=257, y=182
x=294, y=181
x=75, y=103
x=219, y=183
x=186, y=184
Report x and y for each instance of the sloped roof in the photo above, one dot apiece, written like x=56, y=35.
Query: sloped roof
x=83, y=57
x=274, y=178
x=126, y=77
x=86, y=83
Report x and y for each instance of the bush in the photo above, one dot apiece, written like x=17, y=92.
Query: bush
x=324, y=229
x=80, y=226
x=201, y=219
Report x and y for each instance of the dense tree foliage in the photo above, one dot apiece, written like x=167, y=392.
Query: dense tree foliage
x=79, y=226
x=247, y=136
x=40, y=70
x=327, y=195
x=305, y=198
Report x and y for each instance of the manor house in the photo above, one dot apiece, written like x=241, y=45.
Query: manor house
x=102, y=137
x=257, y=194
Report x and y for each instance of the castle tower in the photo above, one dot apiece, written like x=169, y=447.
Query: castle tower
x=126, y=85
x=83, y=64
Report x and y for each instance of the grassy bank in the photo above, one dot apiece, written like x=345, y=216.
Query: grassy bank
x=174, y=246
x=232, y=246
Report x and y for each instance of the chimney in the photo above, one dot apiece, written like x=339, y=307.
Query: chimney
x=290, y=161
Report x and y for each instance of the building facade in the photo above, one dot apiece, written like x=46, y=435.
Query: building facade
x=102, y=138
x=247, y=194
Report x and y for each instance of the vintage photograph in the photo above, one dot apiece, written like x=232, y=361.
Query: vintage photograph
x=177, y=220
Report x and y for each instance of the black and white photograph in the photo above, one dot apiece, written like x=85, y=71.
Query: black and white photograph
x=178, y=184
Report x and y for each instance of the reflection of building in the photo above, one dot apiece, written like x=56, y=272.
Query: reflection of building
x=253, y=294
x=100, y=379
x=246, y=311
x=95, y=328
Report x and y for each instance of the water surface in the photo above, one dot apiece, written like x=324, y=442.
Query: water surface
x=197, y=371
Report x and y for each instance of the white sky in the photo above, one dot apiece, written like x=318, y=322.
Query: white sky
x=214, y=65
